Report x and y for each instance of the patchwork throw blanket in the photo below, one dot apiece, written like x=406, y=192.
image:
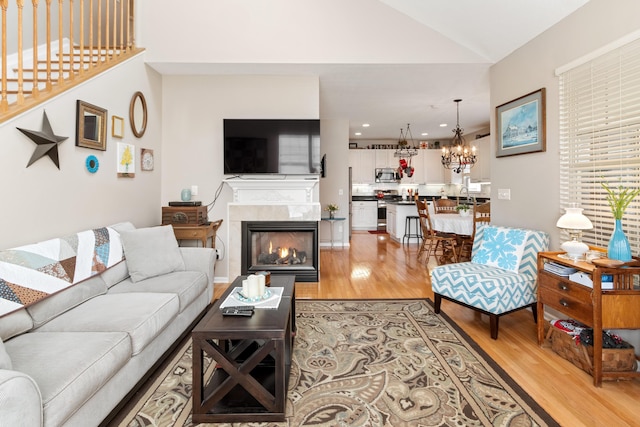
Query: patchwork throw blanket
x=31, y=273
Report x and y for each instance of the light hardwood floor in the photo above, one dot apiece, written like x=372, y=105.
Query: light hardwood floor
x=374, y=267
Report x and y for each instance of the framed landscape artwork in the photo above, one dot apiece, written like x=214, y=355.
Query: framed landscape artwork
x=521, y=125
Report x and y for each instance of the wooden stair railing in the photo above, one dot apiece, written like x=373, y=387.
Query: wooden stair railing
x=65, y=51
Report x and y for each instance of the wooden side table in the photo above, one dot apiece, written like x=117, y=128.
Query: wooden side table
x=617, y=308
x=198, y=232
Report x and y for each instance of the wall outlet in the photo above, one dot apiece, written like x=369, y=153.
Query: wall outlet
x=217, y=253
x=340, y=192
x=504, y=194
x=194, y=190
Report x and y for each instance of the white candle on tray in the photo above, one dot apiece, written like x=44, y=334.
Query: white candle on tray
x=261, y=284
x=254, y=291
x=245, y=288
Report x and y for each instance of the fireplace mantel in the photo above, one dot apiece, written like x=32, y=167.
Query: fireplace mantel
x=276, y=190
x=275, y=199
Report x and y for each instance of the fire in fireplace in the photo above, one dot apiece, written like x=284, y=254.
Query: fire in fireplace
x=281, y=247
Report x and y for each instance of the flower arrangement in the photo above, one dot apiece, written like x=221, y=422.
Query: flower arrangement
x=619, y=200
x=332, y=208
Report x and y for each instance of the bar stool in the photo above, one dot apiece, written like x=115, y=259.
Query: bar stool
x=408, y=222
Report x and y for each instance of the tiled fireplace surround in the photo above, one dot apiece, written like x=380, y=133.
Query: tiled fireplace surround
x=268, y=200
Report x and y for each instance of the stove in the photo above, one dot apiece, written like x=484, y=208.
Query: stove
x=382, y=206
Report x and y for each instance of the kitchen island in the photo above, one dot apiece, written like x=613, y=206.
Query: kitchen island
x=397, y=212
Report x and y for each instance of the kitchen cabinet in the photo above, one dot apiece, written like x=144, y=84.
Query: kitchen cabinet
x=481, y=171
x=385, y=159
x=364, y=215
x=362, y=165
x=391, y=219
x=432, y=164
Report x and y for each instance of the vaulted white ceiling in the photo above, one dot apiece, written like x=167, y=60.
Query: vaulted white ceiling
x=382, y=62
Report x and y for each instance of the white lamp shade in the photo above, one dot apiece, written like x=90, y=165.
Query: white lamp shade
x=573, y=219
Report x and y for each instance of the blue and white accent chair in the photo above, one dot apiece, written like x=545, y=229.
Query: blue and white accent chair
x=501, y=276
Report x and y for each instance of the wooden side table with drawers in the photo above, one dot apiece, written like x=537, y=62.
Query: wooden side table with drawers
x=198, y=232
x=617, y=308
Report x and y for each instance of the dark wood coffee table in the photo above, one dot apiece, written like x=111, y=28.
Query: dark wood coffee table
x=253, y=357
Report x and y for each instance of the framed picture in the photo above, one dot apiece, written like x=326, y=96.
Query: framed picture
x=126, y=160
x=146, y=159
x=521, y=125
x=91, y=126
x=117, y=127
x=353, y=145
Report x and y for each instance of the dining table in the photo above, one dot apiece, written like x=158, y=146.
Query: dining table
x=453, y=223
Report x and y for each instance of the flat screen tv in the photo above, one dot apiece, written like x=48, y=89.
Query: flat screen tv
x=264, y=146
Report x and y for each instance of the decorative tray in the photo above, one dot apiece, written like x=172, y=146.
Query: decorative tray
x=265, y=296
x=606, y=262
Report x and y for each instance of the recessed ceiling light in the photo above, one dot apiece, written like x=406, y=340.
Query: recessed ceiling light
x=443, y=125
x=358, y=133
x=424, y=133
x=365, y=125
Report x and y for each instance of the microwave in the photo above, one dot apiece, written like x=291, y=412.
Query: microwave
x=387, y=175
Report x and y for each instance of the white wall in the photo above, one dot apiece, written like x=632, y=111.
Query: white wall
x=335, y=138
x=534, y=178
x=192, y=143
x=41, y=202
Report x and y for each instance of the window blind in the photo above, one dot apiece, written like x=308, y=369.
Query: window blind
x=600, y=139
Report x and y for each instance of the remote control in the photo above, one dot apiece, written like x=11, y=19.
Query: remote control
x=240, y=308
x=245, y=313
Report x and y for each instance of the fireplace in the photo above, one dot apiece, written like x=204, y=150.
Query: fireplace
x=281, y=247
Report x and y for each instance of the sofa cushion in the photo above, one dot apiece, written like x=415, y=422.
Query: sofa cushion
x=115, y=274
x=188, y=285
x=501, y=247
x=5, y=360
x=141, y=315
x=49, y=308
x=15, y=323
x=151, y=252
x=69, y=367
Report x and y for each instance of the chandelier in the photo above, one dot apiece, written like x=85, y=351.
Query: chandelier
x=458, y=155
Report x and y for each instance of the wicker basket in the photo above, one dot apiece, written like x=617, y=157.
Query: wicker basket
x=613, y=359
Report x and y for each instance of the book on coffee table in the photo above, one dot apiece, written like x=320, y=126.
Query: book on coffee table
x=270, y=301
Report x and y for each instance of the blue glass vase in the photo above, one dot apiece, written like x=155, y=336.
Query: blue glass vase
x=619, y=247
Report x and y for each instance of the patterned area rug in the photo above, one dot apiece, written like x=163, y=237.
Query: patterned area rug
x=368, y=363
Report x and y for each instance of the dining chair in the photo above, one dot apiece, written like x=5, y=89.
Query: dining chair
x=445, y=206
x=481, y=213
x=433, y=240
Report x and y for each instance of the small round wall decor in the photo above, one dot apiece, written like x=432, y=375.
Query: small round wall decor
x=92, y=164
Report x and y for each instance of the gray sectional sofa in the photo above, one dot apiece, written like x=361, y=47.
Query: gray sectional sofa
x=69, y=359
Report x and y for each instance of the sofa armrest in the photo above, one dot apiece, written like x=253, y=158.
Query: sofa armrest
x=20, y=400
x=199, y=259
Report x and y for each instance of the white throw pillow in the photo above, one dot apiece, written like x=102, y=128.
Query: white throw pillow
x=502, y=247
x=5, y=360
x=151, y=252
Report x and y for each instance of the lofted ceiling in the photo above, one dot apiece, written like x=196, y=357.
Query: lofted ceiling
x=382, y=62
x=422, y=94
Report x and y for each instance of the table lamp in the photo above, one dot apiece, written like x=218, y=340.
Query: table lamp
x=574, y=222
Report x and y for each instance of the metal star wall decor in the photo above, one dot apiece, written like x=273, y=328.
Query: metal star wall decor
x=47, y=142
